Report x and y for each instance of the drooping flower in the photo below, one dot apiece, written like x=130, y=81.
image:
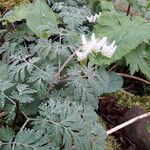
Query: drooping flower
x=108, y=50
x=96, y=45
x=93, y=18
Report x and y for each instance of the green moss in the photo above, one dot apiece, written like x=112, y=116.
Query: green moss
x=111, y=142
x=129, y=100
x=125, y=99
x=7, y=4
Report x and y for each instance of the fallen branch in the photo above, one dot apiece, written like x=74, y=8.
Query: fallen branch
x=127, y=123
x=134, y=77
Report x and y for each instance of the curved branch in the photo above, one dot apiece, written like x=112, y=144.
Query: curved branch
x=65, y=63
x=127, y=123
x=134, y=77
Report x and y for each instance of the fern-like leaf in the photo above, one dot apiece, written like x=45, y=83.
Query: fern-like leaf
x=21, y=67
x=23, y=94
x=65, y=121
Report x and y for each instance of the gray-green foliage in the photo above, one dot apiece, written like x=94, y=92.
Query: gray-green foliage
x=41, y=112
x=64, y=123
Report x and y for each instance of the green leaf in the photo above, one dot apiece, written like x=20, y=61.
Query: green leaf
x=6, y=134
x=10, y=112
x=22, y=34
x=107, y=6
x=128, y=34
x=70, y=123
x=5, y=85
x=2, y=101
x=3, y=70
x=87, y=84
x=36, y=14
x=20, y=67
x=23, y=94
x=20, y=12
x=138, y=59
x=40, y=14
x=115, y=83
x=24, y=140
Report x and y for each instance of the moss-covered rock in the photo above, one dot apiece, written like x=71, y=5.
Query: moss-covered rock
x=129, y=100
x=111, y=142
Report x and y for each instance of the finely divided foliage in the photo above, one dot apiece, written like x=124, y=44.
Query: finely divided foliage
x=42, y=112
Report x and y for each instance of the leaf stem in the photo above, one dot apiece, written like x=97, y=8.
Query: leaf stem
x=8, y=98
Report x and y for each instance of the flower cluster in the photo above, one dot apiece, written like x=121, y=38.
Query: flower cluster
x=96, y=45
x=93, y=18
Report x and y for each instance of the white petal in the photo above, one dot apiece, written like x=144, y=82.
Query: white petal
x=104, y=38
x=94, y=18
x=111, y=52
x=99, y=14
x=93, y=37
x=112, y=45
x=80, y=55
x=86, y=53
x=90, y=18
x=88, y=47
x=84, y=40
x=102, y=43
x=104, y=49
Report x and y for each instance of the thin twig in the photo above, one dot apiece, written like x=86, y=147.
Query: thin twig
x=114, y=66
x=8, y=98
x=127, y=123
x=14, y=143
x=65, y=63
x=25, y=115
x=24, y=124
x=134, y=77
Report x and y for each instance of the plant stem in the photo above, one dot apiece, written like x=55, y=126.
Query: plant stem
x=127, y=123
x=134, y=77
x=16, y=113
x=128, y=10
x=57, y=75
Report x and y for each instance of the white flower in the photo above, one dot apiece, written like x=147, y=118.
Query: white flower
x=93, y=18
x=96, y=45
x=82, y=55
x=109, y=50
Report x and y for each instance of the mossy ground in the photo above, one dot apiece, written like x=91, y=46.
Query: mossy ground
x=111, y=142
x=7, y=4
x=128, y=100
